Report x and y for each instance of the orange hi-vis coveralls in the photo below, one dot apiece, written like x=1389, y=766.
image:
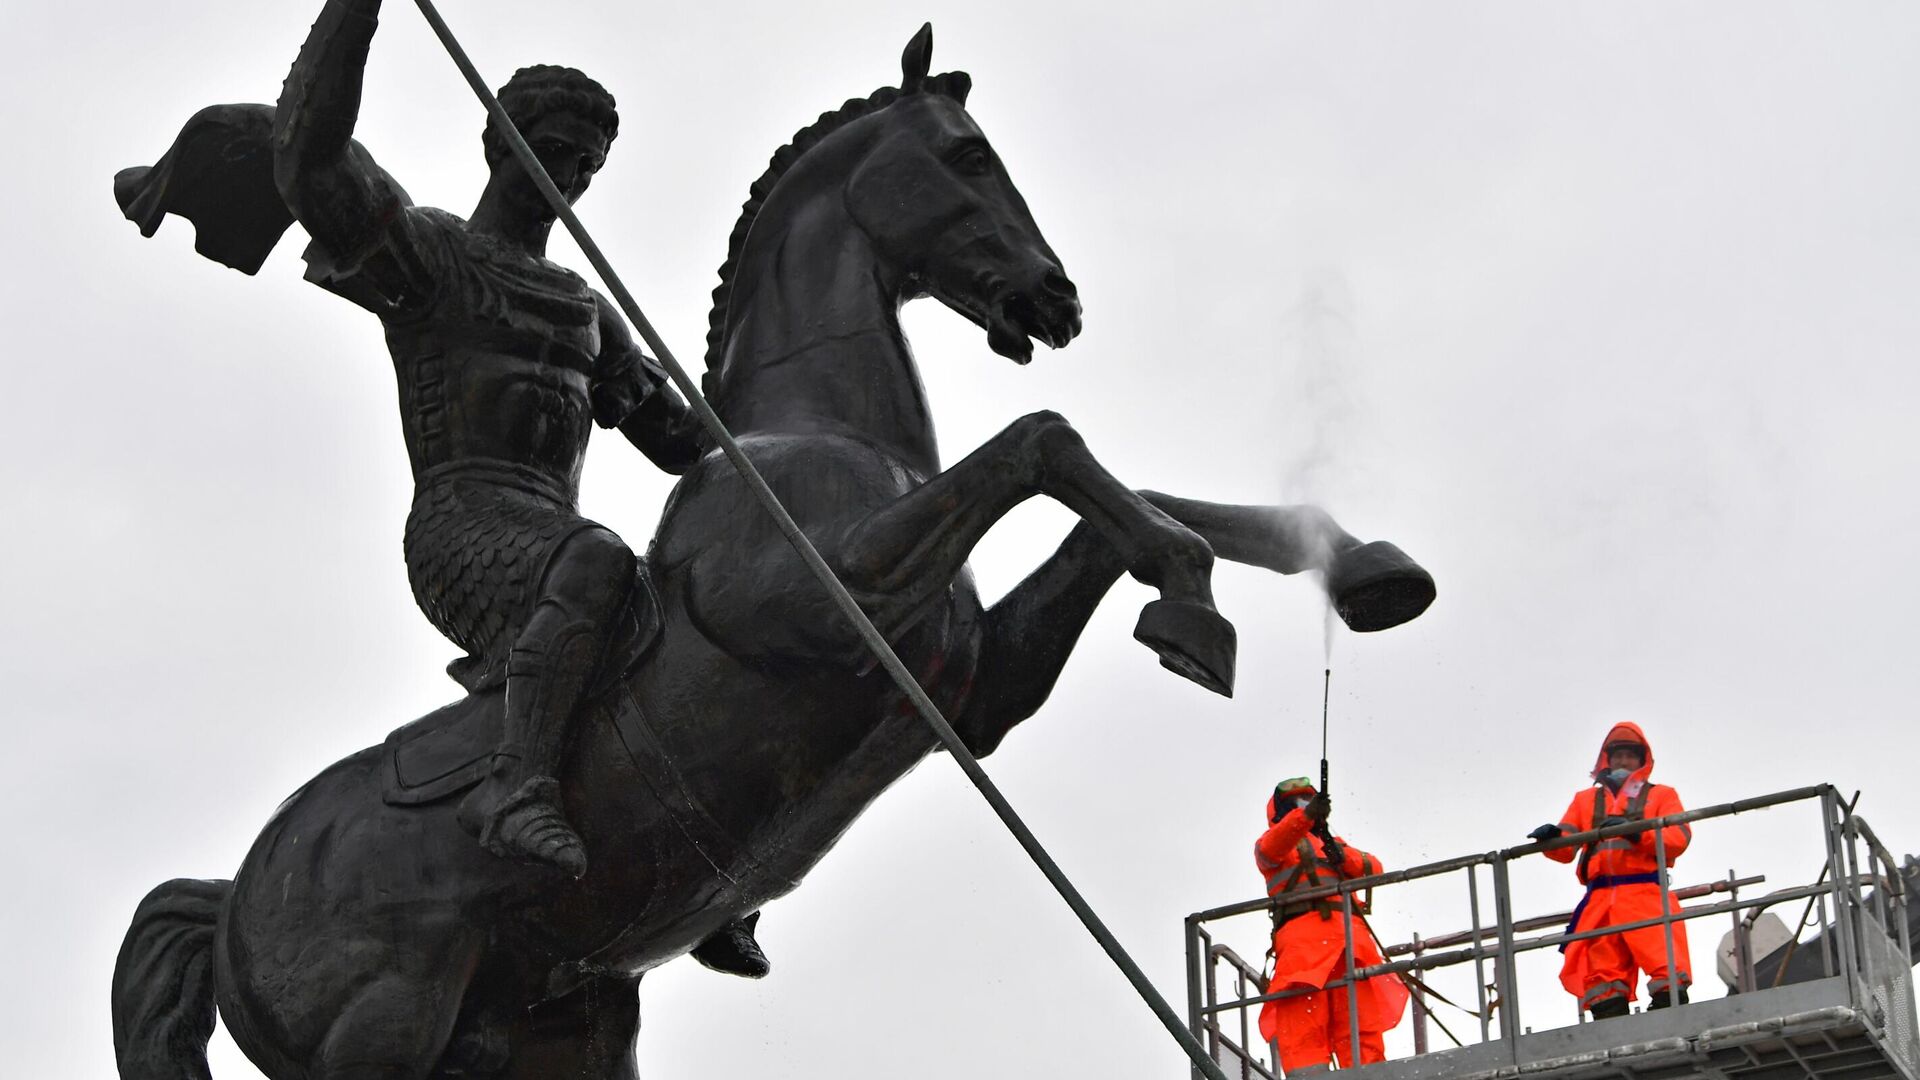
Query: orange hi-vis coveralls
x=1623, y=885
x=1309, y=944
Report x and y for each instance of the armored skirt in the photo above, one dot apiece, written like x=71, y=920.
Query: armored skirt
x=478, y=541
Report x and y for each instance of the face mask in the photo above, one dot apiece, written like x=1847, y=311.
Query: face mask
x=1613, y=778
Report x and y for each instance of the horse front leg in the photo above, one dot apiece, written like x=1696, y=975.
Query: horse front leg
x=1373, y=586
x=903, y=556
x=1030, y=633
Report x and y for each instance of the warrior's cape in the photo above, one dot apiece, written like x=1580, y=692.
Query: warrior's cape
x=219, y=175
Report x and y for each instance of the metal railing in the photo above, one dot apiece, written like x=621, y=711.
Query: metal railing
x=1863, y=938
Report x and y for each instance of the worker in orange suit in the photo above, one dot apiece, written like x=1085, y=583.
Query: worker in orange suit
x=1622, y=876
x=1297, y=853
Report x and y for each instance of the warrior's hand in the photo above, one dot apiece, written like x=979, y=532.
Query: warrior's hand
x=616, y=398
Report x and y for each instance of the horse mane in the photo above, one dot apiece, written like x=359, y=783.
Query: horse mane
x=953, y=84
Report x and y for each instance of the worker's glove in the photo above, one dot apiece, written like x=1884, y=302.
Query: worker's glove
x=1545, y=833
x=1318, y=808
x=1612, y=821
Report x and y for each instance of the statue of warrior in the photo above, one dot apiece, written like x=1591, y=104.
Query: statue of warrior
x=505, y=360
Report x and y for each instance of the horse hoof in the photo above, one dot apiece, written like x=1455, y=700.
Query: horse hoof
x=1375, y=586
x=1193, y=640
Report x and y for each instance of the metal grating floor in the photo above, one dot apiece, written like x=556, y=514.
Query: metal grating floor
x=1807, y=1031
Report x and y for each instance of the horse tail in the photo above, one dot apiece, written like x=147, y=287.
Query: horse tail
x=163, y=1006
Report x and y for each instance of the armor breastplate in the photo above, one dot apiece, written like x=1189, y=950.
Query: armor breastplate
x=499, y=366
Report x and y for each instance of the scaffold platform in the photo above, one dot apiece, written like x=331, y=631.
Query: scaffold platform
x=1845, y=1013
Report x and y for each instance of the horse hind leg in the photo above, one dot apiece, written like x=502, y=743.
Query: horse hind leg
x=397, y=1025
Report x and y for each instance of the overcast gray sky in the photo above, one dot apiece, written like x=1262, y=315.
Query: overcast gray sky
x=1606, y=312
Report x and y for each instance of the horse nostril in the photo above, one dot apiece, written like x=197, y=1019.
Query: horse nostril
x=1059, y=285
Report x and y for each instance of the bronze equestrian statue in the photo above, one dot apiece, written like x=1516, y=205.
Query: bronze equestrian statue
x=504, y=360
x=730, y=726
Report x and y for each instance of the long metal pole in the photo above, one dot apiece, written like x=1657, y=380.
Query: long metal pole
x=1352, y=990
x=1198, y=963
x=841, y=597
x=1503, y=971
x=1326, y=694
x=1856, y=904
x=1831, y=813
x=1674, y=974
x=1479, y=948
x=1420, y=1007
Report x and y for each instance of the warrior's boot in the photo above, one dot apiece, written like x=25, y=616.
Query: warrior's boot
x=516, y=810
x=732, y=950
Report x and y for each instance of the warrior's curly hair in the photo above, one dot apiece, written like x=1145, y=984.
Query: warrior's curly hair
x=537, y=91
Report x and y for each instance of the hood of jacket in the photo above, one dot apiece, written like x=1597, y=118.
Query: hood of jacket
x=1625, y=732
x=1293, y=787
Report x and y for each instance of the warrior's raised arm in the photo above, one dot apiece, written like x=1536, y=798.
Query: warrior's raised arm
x=345, y=202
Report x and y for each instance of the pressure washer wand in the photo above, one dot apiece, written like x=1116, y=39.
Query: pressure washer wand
x=1333, y=851
x=1326, y=692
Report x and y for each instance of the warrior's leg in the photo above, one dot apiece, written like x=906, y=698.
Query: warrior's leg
x=517, y=809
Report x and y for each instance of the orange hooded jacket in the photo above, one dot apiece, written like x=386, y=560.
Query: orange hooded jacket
x=1595, y=968
x=1308, y=946
x=1637, y=799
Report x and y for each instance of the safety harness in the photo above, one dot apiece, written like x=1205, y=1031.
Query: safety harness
x=1636, y=810
x=1307, y=875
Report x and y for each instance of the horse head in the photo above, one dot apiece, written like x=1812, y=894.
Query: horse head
x=899, y=190
x=937, y=203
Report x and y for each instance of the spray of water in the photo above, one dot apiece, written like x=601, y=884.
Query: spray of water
x=1319, y=393
x=1327, y=623
x=1318, y=410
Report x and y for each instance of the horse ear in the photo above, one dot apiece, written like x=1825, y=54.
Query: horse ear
x=915, y=61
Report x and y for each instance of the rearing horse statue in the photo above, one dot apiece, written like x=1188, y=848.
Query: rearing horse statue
x=366, y=935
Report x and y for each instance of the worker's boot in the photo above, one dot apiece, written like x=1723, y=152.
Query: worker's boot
x=1662, y=999
x=732, y=950
x=1610, y=1008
